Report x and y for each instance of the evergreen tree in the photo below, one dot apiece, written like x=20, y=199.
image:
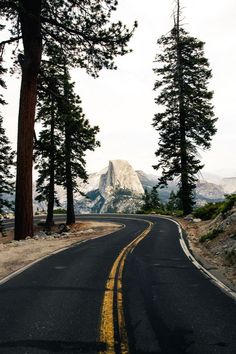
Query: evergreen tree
x=151, y=200
x=79, y=137
x=67, y=135
x=147, y=202
x=6, y=159
x=89, y=40
x=174, y=202
x=50, y=141
x=155, y=199
x=47, y=154
x=187, y=121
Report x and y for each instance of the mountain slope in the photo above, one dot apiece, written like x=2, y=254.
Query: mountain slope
x=120, y=175
x=119, y=188
x=116, y=188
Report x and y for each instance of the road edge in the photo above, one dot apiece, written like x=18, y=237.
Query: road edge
x=199, y=264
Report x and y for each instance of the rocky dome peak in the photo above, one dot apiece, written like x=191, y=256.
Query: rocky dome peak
x=120, y=175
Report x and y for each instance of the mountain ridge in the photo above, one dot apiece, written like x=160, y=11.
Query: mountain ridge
x=119, y=188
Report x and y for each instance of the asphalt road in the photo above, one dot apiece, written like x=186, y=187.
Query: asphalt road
x=134, y=291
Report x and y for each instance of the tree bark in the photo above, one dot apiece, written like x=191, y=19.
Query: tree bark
x=70, y=214
x=29, y=17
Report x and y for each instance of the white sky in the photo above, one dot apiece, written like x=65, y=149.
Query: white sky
x=122, y=102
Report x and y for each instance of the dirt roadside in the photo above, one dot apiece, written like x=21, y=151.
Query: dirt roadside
x=210, y=253
x=18, y=254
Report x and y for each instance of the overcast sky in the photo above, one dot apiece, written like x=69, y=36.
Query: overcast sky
x=122, y=102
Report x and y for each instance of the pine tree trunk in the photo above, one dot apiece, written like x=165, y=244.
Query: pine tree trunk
x=70, y=217
x=51, y=193
x=31, y=32
x=70, y=213
x=185, y=197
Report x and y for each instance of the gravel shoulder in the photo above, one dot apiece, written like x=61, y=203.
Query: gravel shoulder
x=18, y=254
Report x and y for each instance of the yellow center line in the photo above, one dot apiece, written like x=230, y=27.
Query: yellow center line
x=107, y=333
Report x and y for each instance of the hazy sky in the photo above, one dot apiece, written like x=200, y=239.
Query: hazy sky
x=122, y=102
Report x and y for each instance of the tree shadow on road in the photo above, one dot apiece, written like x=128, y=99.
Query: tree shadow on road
x=53, y=346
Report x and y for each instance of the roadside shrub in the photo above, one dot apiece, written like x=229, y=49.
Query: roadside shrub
x=146, y=211
x=208, y=211
x=230, y=257
x=210, y=235
x=59, y=211
x=139, y=211
x=228, y=203
x=178, y=213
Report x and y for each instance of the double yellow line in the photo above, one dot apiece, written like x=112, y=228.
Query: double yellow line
x=112, y=326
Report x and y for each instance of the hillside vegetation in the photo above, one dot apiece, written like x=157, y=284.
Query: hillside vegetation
x=212, y=235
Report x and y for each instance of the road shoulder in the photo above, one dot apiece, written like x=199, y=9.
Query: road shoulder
x=208, y=261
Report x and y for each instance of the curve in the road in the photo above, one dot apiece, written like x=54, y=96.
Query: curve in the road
x=118, y=295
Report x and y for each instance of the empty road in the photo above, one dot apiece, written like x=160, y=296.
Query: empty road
x=134, y=291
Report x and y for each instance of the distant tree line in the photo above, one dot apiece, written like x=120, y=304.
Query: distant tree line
x=152, y=203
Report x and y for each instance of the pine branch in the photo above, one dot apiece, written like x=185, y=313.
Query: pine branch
x=10, y=40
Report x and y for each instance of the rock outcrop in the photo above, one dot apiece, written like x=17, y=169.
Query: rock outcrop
x=120, y=175
x=117, y=188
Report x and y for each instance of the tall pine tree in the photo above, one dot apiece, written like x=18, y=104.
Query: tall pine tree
x=65, y=138
x=49, y=144
x=89, y=40
x=79, y=136
x=174, y=202
x=186, y=120
x=47, y=154
x=151, y=201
